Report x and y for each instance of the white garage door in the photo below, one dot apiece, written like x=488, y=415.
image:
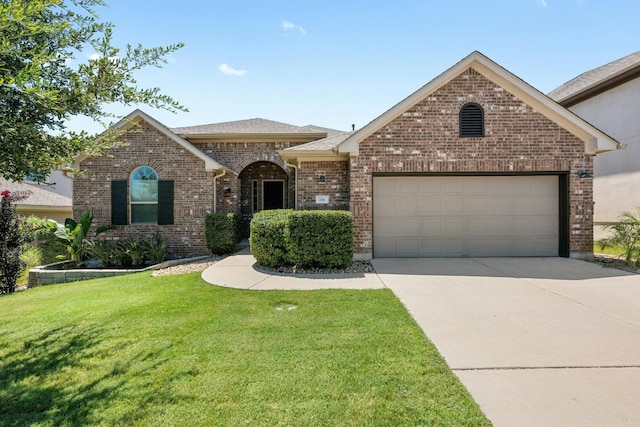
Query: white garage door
x=458, y=216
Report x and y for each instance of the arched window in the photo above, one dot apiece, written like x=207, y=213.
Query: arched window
x=471, y=121
x=144, y=196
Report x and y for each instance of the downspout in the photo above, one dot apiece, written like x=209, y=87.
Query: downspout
x=215, y=189
x=295, y=182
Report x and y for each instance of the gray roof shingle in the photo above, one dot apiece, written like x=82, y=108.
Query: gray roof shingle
x=249, y=126
x=38, y=196
x=319, y=129
x=595, y=77
x=324, y=144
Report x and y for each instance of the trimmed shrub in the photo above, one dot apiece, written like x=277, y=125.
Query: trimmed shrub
x=267, y=237
x=222, y=232
x=302, y=238
x=320, y=239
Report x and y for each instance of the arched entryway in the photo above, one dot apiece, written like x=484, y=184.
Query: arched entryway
x=263, y=185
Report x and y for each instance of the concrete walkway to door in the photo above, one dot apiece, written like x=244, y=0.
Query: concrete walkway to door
x=537, y=341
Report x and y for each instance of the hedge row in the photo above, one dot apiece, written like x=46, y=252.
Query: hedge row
x=222, y=232
x=302, y=238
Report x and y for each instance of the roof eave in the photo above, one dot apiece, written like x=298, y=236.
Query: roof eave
x=292, y=156
x=139, y=115
x=596, y=88
x=23, y=207
x=253, y=136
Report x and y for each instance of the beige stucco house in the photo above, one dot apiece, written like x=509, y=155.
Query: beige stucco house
x=475, y=163
x=609, y=97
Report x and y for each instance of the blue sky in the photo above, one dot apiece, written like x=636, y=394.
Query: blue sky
x=334, y=63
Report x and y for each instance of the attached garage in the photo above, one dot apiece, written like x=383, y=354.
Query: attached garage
x=474, y=163
x=467, y=216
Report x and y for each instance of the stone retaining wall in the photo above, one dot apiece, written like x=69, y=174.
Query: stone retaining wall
x=49, y=275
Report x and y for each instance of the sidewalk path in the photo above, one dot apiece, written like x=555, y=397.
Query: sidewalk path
x=237, y=271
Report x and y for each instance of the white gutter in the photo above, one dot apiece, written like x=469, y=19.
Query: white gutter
x=215, y=189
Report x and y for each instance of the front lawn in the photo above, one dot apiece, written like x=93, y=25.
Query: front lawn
x=172, y=350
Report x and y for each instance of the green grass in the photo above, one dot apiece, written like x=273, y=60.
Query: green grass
x=172, y=350
x=613, y=250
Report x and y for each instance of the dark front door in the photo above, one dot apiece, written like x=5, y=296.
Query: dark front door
x=273, y=194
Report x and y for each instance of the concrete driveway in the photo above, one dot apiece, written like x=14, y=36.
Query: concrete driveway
x=537, y=341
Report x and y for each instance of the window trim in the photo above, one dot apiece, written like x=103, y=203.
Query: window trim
x=254, y=196
x=132, y=202
x=120, y=206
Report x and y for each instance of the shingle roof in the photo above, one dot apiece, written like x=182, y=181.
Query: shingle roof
x=319, y=129
x=38, y=196
x=595, y=77
x=324, y=144
x=249, y=126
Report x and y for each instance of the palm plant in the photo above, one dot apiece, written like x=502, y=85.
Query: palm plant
x=625, y=234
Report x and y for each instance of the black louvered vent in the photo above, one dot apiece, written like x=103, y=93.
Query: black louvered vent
x=471, y=121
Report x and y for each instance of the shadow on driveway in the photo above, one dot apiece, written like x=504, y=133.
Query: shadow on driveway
x=535, y=267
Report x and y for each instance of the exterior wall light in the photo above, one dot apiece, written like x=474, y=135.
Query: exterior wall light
x=584, y=174
x=322, y=178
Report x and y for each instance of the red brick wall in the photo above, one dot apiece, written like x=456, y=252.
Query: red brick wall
x=193, y=197
x=260, y=171
x=336, y=184
x=424, y=139
x=237, y=156
x=193, y=186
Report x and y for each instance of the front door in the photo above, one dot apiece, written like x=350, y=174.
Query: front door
x=272, y=194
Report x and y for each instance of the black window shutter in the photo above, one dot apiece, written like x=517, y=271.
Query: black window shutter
x=471, y=121
x=119, y=202
x=165, y=202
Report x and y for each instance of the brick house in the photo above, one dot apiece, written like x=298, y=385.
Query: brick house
x=474, y=163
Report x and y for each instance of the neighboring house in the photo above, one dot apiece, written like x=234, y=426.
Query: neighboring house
x=609, y=97
x=59, y=181
x=474, y=163
x=40, y=202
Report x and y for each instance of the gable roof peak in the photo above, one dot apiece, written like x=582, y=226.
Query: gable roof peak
x=138, y=115
x=595, y=140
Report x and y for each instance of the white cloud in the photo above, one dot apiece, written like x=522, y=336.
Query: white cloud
x=544, y=3
x=225, y=69
x=290, y=26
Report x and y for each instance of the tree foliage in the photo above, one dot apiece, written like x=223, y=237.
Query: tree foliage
x=45, y=79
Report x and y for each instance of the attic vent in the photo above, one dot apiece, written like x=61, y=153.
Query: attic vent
x=471, y=121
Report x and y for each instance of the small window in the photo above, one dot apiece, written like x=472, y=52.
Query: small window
x=144, y=196
x=471, y=121
x=254, y=195
x=35, y=177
